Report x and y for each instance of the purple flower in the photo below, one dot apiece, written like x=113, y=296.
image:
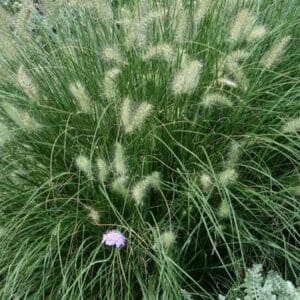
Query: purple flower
x=114, y=238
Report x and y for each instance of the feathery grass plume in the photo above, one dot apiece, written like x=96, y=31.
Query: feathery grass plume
x=202, y=7
x=186, y=80
x=272, y=56
x=168, y=239
x=228, y=177
x=140, y=189
x=131, y=119
x=84, y=165
x=205, y=182
x=80, y=94
x=103, y=170
x=119, y=162
x=5, y=134
x=232, y=65
x=4, y=20
x=50, y=7
x=227, y=82
x=8, y=49
x=137, y=29
x=241, y=26
x=291, y=126
x=224, y=209
x=112, y=54
x=126, y=112
x=296, y=191
x=233, y=154
x=20, y=117
x=181, y=24
x=215, y=99
x=26, y=83
x=256, y=33
x=109, y=83
x=119, y=186
x=100, y=9
x=94, y=215
x=23, y=18
x=164, y=51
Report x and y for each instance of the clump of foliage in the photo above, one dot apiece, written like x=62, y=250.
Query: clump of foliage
x=272, y=286
x=174, y=123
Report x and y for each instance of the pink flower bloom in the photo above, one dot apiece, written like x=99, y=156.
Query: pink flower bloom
x=114, y=238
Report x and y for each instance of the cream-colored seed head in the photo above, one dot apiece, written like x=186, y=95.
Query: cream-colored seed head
x=103, y=170
x=202, y=8
x=119, y=162
x=110, y=83
x=168, y=239
x=21, y=117
x=216, y=99
x=228, y=177
x=206, y=182
x=94, y=215
x=291, y=126
x=26, y=83
x=112, y=54
x=164, y=51
x=139, y=191
x=84, y=165
x=80, y=94
x=242, y=25
x=224, y=209
x=272, y=56
x=187, y=79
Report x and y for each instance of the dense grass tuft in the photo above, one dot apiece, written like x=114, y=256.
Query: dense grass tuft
x=173, y=122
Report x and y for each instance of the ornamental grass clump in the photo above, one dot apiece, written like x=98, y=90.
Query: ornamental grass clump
x=150, y=150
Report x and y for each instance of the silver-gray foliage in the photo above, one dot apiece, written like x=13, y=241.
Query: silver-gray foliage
x=256, y=286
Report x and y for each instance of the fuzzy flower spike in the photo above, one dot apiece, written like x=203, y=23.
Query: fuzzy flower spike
x=113, y=238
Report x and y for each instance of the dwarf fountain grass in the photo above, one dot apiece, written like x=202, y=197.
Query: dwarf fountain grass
x=219, y=186
x=138, y=29
x=164, y=51
x=140, y=189
x=83, y=163
x=233, y=67
x=291, y=126
x=26, y=83
x=109, y=83
x=227, y=82
x=224, y=209
x=271, y=57
x=112, y=54
x=215, y=99
x=103, y=169
x=186, y=79
x=80, y=94
x=256, y=33
x=228, y=177
x=168, y=239
x=94, y=215
x=134, y=119
x=23, y=19
x=206, y=182
x=182, y=25
x=244, y=21
x=202, y=7
x=20, y=117
x=119, y=186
